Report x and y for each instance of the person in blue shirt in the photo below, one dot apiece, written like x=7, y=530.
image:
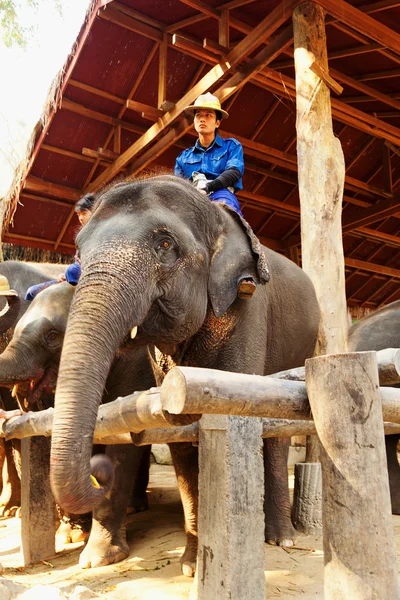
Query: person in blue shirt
x=215, y=165
x=83, y=209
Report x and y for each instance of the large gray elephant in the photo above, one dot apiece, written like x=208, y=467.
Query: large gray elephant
x=379, y=330
x=159, y=256
x=31, y=362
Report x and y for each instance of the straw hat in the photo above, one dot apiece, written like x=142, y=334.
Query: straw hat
x=206, y=101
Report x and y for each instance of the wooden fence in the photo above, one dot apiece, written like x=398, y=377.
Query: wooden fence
x=350, y=413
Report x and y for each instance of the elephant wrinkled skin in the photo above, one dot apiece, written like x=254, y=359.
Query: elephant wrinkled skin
x=159, y=256
x=377, y=331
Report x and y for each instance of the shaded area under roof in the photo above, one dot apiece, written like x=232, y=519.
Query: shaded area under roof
x=135, y=60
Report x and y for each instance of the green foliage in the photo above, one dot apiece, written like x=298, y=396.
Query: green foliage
x=12, y=32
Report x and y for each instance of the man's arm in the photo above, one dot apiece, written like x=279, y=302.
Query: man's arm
x=227, y=179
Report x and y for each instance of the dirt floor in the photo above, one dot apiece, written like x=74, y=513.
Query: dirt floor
x=152, y=570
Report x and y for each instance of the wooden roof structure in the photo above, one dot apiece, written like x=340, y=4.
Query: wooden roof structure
x=117, y=109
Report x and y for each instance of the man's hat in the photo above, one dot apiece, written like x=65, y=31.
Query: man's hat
x=206, y=101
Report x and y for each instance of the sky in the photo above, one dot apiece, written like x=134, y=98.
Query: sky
x=26, y=75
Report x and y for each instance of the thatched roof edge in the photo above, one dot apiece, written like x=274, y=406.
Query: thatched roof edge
x=51, y=105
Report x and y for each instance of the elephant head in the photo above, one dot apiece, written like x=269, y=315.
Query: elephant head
x=156, y=257
x=31, y=359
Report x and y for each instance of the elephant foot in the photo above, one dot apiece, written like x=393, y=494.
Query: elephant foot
x=189, y=557
x=281, y=536
x=101, y=551
x=139, y=504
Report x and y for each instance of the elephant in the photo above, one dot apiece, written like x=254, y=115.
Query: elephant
x=31, y=362
x=20, y=276
x=162, y=261
x=376, y=331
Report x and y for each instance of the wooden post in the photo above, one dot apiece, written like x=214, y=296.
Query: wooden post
x=38, y=516
x=230, y=562
x=359, y=549
x=353, y=568
x=321, y=172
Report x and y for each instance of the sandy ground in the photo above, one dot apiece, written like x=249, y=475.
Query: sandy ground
x=152, y=570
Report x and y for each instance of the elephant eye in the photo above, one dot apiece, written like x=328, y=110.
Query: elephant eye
x=51, y=335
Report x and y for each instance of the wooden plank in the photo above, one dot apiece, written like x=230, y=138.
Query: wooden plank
x=34, y=184
x=152, y=111
x=202, y=7
x=63, y=152
x=256, y=37
x=374, y=76
x=36, y=198
x=162, y=71
x=94, y=90
x=355, y=18
x=214, y=47
x=117, y=140
x=372, y=267
x=377, y=212
x=17, y=237
x=387, y=170
x=326, y=78
x=79, y=109
x=113, y=15
x=38, y=515
x=223, y=28
x=279, y=207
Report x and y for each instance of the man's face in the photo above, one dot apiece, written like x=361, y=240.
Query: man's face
x=205, y=121
x=84, y=216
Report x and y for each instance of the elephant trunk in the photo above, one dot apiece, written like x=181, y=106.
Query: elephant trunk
x=18, y=363
x=9, y=314
x=100, y=317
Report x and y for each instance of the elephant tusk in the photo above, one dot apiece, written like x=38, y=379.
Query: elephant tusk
x=14, y=391
x=95, y=482
x=133, y=332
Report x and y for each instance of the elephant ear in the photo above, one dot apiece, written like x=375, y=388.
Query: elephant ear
x=238, y=254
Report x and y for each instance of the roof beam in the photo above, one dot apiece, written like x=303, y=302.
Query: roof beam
x=35, y=184
x=98, y=116
x=380, y=210
x=263, y=30
x=355, y=18
x=372, y=267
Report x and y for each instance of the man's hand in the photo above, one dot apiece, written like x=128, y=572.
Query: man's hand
x=9, y=414
x=62, y=278
x=202, y=191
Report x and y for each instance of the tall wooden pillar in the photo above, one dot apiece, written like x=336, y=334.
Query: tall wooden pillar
x=230, y=561
x=321, y=174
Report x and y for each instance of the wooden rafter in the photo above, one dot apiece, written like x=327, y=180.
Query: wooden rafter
x=363, y=23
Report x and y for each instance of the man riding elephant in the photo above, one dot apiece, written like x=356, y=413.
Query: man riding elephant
x=215, y=165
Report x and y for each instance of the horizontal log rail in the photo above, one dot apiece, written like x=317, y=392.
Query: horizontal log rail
x=281, y=399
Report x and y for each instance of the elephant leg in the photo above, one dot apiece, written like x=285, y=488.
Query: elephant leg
x=185, y=458
x=107, y=541
x=278, y=525
x=139, y=501
x=10, y=497
x=393, y=471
